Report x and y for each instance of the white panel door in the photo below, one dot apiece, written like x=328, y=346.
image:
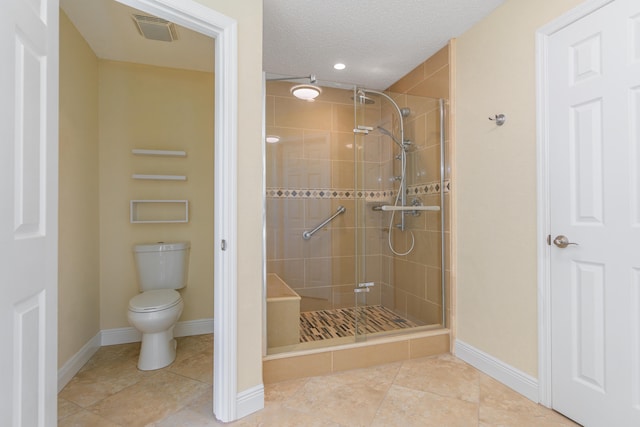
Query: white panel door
x=594, y=160
x=28, y=216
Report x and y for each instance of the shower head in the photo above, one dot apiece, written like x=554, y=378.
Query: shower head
x=311, y=77
x=390, y=135
x=362, y=98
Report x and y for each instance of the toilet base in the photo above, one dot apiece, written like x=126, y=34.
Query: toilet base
x=157, y=350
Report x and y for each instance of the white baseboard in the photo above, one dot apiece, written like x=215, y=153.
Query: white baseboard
x=120, y=336
x=513, y=378
x=77, y=361
x=182, y=329
x=193, y=327
x=123, y=336
x=250, y=401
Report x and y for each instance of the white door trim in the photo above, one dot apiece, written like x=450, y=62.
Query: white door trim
x=543, y=227
x=223, y=29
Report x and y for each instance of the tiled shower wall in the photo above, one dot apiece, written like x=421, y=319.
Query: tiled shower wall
x=417, y=277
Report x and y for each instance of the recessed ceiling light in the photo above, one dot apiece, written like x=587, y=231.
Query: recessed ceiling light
x=339, y=66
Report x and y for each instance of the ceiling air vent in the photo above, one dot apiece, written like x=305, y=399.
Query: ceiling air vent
x=154, y=28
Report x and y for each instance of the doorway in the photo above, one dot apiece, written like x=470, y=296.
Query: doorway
x=589, y=221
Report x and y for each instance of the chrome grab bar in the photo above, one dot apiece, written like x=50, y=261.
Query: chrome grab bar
x=307, y=234
x=411, y=208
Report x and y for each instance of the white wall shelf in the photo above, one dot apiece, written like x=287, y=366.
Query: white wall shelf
x=158, y=211
x=160, y=177
x=170, y=153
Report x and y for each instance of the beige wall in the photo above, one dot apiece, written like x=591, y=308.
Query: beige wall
x=165, y=109
x=248, y=14
x=78, y=270
x=495, y=188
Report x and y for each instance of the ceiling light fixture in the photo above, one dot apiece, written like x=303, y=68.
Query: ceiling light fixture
x=339, y=66
x=306, y=92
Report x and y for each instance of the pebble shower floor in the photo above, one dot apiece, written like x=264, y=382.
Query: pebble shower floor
x=337, y=323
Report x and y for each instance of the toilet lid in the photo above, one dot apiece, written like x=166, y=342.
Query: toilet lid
x=155, y=300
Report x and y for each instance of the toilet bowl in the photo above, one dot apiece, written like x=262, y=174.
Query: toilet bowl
x=162, y=268
x=154, y=314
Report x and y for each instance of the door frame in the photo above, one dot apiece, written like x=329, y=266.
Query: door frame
x=543, y=36
x=223, y=30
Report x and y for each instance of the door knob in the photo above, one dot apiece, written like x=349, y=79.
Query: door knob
x=562, y=241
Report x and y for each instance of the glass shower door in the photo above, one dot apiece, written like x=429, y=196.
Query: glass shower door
x=368, y=160
x=399, y=227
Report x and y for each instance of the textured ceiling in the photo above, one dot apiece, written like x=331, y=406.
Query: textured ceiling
x=379, y=40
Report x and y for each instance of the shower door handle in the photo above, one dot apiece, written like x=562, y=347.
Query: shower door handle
x=363, y=129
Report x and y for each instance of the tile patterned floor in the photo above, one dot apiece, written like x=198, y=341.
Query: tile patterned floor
x=337, y=323
x=435, y=391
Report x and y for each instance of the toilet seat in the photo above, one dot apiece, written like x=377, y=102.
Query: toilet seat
x=156, y=300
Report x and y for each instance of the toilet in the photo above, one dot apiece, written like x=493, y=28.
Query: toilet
x=162, y=268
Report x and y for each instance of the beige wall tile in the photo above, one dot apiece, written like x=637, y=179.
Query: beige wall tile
x=344, y=297
x=428, y=346
x=410, y=277
x=342, y=174
x=342, y=118
x=434, y=285
x=436, y=62
x=416, y=131
x=291, y=271
x=343, y=242
x=302, y=114
x=409, y=80
x=276, y=370
x=370, y=356
x=436, y=86
x=317, y=144
x=342, y=144
x=314, y=299
x=343, y=270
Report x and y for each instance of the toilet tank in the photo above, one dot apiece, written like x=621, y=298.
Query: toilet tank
x=162, y=265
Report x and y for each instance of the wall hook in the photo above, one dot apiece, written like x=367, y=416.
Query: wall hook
x=499, y=119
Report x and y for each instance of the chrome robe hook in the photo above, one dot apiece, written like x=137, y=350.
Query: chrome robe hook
x=499, y=119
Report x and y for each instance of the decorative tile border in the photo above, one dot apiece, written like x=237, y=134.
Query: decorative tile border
x=427, y=189
x=310, y=193
x=351, y=194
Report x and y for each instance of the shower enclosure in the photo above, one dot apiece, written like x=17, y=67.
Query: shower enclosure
x=356, y=197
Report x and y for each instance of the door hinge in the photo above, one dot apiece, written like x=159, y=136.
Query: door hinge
x=549, y=240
